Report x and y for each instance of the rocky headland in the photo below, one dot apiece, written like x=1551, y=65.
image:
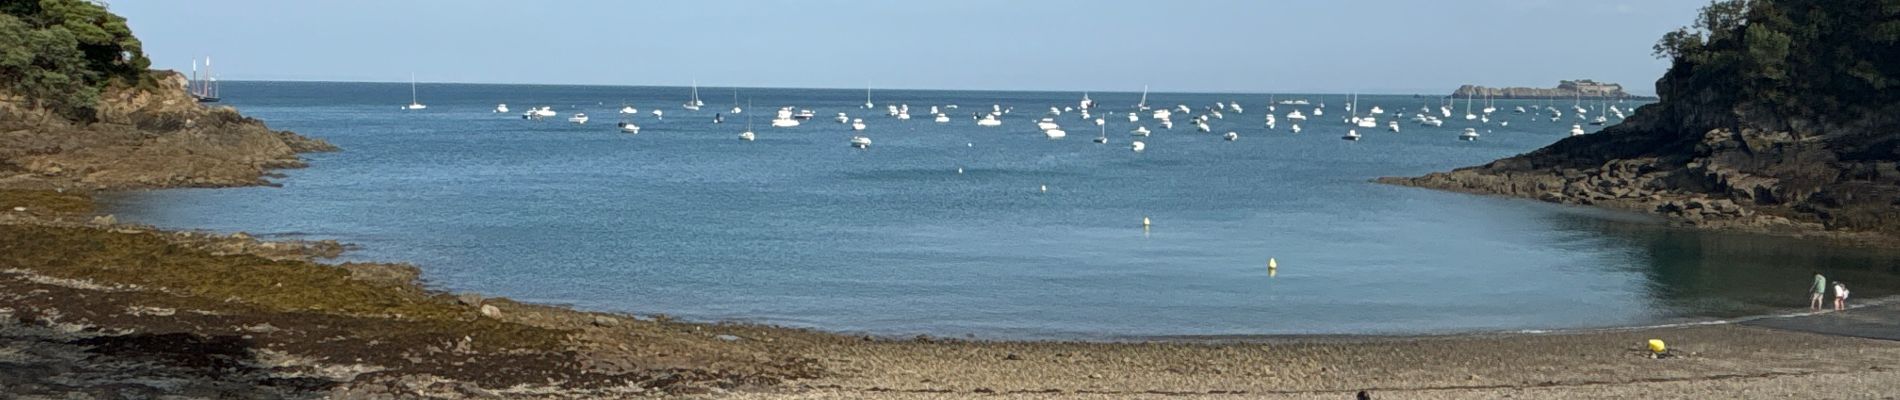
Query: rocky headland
x=1766, y=126
x=142, y=138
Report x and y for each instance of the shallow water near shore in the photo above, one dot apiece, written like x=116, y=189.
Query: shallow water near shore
x=798, y=229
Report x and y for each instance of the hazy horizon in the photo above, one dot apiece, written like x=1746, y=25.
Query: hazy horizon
x=1210, y=46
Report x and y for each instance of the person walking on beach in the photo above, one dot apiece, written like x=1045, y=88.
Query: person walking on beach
x=1818, y=292
x=1840, y=296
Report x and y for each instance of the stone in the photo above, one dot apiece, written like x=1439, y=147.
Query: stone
x=107, y=219
x=729, y=338
x=606, y=321
x=491, y=311
x=469, y=299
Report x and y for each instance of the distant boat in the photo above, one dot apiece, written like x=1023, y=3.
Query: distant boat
x=1140, y=131
x=1296, y=128
x=857, y=124
x=784, y=119
x=989, y=120
x=1143, y=104
x=1351, y=135
x=501, y=108
x=1576, y=130
x=747, y=135
x=843, y=119
x=1055, y=133
x=867, y=97
x=1103, y=138
x=735, y=103
x=413, y=103
x=1392, y=126
x=860, y=142
x=693, y=103
x=659, y=114
x=1469, y=135
x=1231, y=136
x=205, y=88
x=578, y=118
x=1137, y=146
x=941, y=118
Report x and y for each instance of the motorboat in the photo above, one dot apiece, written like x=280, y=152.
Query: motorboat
x=1231, y=136
x=857, y=124
x=989, y=120
x=1137, y=146
x=578, y=118
x=1351, y=135
x=1469, y=135
x=501, y=108
x=1139, y=131
x=1576, y=130
x=860, y=142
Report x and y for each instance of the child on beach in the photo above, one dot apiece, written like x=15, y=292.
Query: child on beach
x=1840, y=296
x=1817, y=292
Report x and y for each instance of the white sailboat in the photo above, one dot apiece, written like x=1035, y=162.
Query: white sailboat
x=735, y=103
x=1468, y=115
x=693, y=103
x=1143, y=104
x=867, y=97
x=747, y=135
x=414, y=104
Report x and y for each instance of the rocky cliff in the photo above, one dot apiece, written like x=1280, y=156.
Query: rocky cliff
x=1736, y=142
x=151, y=137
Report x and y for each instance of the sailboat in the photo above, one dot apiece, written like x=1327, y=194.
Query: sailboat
x=694, y=103
x=205, y=89
x=867, y=97
x=1104, y=137
x=747, y=135
x=1143, y=105
x=413, y=104
x=1468, y=115
x=735, y=103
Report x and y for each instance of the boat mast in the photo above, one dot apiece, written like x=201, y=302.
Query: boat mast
x=412, y=86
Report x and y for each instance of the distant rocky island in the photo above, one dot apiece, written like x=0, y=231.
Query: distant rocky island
x=1581, y=88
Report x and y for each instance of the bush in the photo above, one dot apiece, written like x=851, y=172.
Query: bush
x=60, y=55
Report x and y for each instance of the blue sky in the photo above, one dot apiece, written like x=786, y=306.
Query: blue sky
x=1371, y=46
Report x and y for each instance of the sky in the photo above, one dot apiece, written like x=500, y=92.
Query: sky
x=1335, y=46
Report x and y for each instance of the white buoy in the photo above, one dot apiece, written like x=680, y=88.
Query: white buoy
x=1045, y=188
x=959, y=170
x=1272, y=264
x=1144, y=222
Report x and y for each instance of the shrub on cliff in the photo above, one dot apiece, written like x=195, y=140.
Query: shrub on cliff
x=1802, y=65
x=60, y=54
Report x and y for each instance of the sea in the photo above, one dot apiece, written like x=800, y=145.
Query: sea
x=958, y=230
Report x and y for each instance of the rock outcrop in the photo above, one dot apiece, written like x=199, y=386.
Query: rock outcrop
x=1578, y=89
x=1774, y=117
x=144, y=138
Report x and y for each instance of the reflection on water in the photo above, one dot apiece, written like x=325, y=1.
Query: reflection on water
x=1720, y=274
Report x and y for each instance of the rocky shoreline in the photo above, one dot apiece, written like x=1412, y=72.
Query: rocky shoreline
x=145, y=139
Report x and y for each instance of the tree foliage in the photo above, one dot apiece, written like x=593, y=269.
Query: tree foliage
x=1825, y=61
x=60, y=54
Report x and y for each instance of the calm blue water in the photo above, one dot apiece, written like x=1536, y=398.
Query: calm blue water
x=801, y=230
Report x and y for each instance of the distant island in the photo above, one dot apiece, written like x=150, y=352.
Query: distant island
x=1581, y=88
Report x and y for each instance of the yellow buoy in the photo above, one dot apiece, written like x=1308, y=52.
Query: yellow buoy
x=1272, y=264
x=1656, y=345
x=1144, y=222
